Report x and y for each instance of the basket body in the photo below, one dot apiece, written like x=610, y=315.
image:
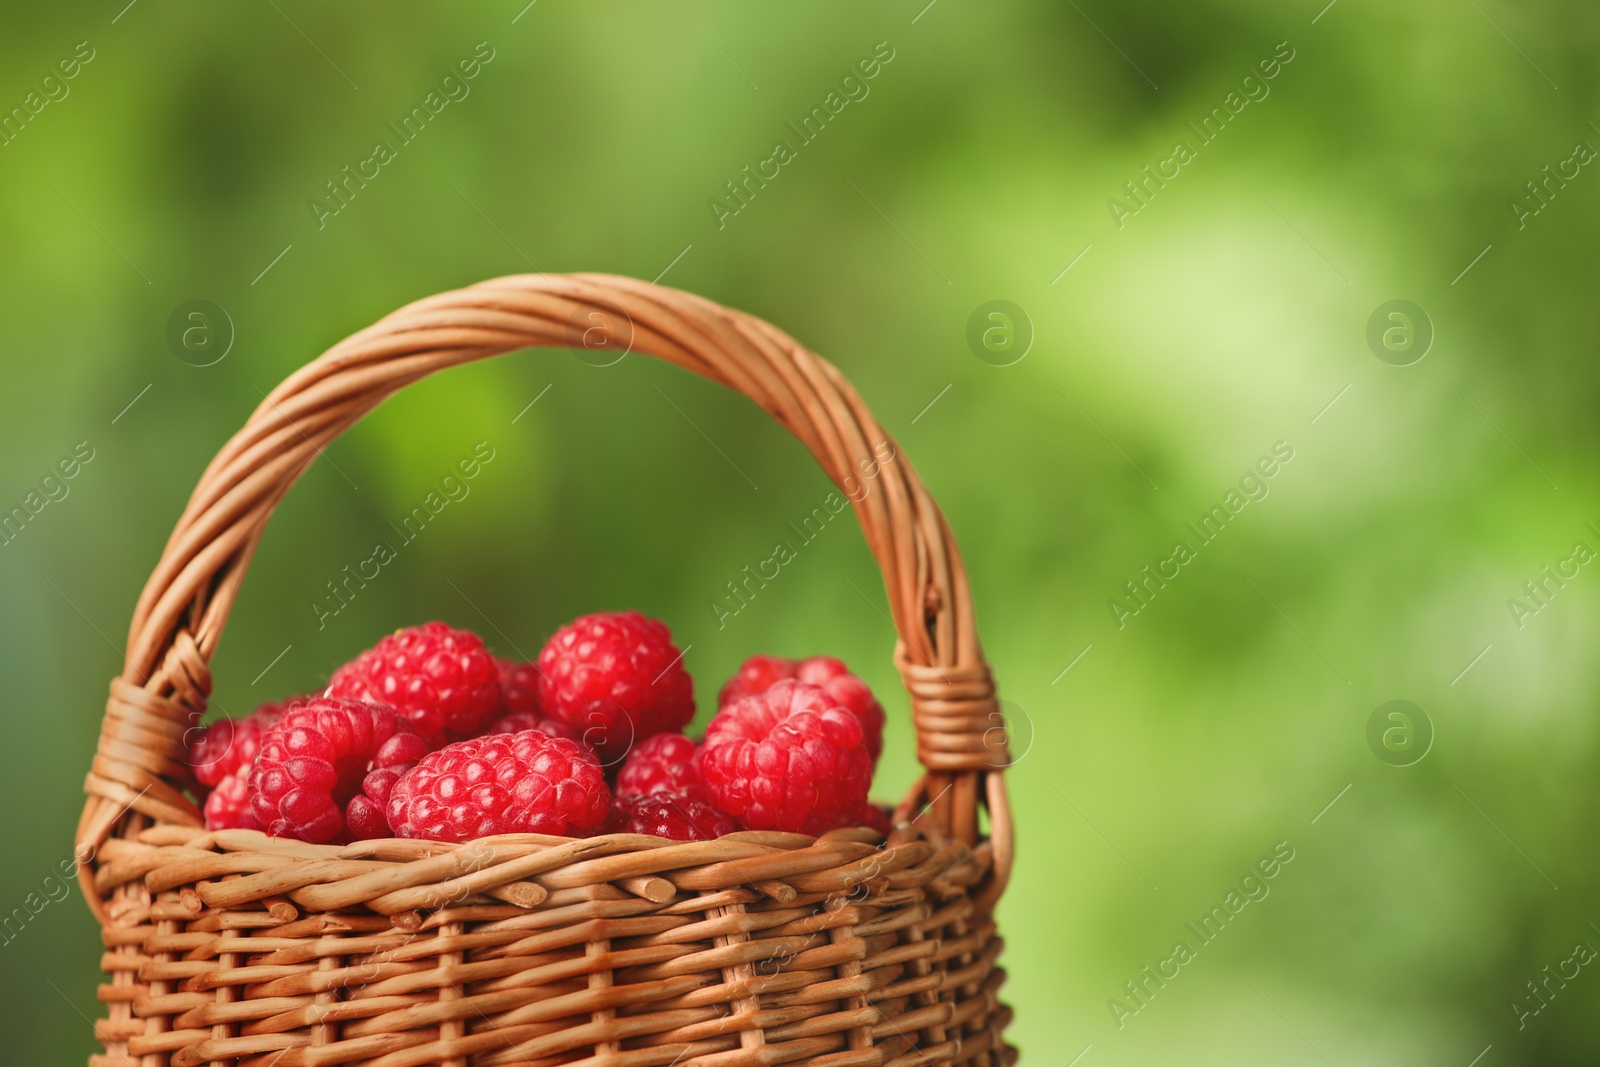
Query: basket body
x=538, y=951
x=850, y=950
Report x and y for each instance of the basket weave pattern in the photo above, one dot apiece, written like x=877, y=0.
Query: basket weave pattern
x=234, y=948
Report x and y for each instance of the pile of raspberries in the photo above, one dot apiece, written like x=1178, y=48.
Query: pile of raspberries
x=429, y=735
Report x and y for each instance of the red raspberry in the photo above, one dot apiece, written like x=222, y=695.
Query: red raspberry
x=875, y=816
x=501, y=784
x=755, y=676
x=759, y=673
x=365, y=819
x=665, y=763
x=365, y=814
x=517, y=721
x=519, y=686
x=313, y=760
x=443, y=681
x=519, y=703
x=792, y=758
x=228, y=806
x=616, y=677
x=229, y=746
x=669, y=815
x=850, y=691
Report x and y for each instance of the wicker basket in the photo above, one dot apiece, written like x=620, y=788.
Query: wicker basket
x=234, y=948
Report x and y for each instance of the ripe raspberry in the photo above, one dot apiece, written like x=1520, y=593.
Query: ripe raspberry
x=617, y=678
x=755, y=676
x=365, y=819
x=517, y=721
x=875, y=816
x=669, y=815
x=228, y=806
x=759, y=673
x=313, y=760
x=443, y=681
x=792, y=758
x=365, y=814
x=501, y=784
x=228, y=746
x=519, y=686
x=519, y=703
x=665, y=763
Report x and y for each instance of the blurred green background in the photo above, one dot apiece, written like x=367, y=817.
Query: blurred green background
x=1228, y=313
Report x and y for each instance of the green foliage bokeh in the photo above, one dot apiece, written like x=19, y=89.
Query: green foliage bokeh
x=1177, y=337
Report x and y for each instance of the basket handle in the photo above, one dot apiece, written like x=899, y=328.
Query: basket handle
x=180, y=614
